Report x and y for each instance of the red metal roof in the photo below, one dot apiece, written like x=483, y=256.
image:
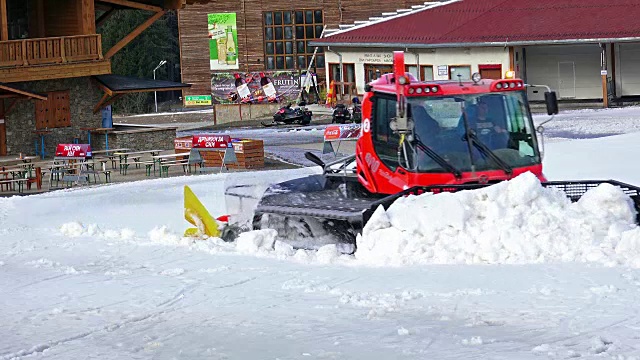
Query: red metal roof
x=501, y=21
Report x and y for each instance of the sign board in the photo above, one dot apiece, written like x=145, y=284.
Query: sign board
x=443, y=70
x=211, y=141
x=342, y=132
x=254, y=87
x=603, y=72
x=223, y=41
x=73, y=150
x=183, y=144
x=376, y=58
x=197, y=100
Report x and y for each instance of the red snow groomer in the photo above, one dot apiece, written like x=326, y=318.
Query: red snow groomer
x=416, y=137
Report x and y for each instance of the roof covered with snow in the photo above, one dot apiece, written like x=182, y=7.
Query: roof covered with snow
x=495, y=22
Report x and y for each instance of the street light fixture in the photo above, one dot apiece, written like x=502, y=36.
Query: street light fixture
x=155, y=93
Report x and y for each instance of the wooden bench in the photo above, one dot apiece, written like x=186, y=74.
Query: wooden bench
x=77, y=179
x=11, y=184
x=107, y=176
x=164, y=167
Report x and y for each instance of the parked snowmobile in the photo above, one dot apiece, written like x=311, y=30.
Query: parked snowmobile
x=416, y=137
x=288, y=116
x=340, y=114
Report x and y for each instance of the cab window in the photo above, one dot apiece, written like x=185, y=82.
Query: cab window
x=385, y=142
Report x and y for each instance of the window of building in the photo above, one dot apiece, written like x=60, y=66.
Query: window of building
x=54, y=112
x=427, y=72
x=463, y=70
x=286, y=38
x=413, y=70
x=372, y=72
x=490, y=71
x=349, y=75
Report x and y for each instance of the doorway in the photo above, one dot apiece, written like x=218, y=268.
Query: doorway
x=567, y=79
x=493, y=71
x=3, y=131
x=372, y=71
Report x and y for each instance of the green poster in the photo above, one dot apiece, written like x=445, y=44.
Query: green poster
x=223, y=41
x=195, y=100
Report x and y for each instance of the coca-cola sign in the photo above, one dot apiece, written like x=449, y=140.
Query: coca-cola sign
x=211, y=141
x=73, y=150
x=342, y=132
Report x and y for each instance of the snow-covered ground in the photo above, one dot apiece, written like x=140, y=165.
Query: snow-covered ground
x=509, y=272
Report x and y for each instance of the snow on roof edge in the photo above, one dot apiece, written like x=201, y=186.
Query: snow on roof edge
x=401, y=12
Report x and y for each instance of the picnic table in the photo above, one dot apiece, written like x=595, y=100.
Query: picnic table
x=123, y=155
x=12, y=161
x=106, y=152
x=110, y=155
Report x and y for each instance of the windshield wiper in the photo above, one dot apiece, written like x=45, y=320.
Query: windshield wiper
x=439, y=159
x=487, y=152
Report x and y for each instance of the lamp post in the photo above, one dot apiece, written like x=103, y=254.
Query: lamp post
x=155, y=93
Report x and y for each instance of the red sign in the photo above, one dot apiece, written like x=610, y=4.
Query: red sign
x=184, y=144
x=211, y=141
x=73, y=150
x=342, y=132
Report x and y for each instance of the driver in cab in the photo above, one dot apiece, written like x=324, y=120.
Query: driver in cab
x=486, y=125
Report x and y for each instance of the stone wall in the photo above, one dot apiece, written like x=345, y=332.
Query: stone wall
x=21, y=122
x=136, y=139
x=226, y=113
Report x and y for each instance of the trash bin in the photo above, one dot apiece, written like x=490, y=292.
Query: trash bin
x=107, y=119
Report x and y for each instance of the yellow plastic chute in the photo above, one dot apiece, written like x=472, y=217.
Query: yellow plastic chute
x=196, y=214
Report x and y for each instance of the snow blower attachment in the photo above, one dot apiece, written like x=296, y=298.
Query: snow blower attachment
x=196, y=214
x=429, y=137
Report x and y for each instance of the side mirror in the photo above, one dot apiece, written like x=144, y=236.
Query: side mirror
x=551, y=100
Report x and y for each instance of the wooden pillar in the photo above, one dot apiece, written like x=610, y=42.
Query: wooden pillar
x=4, y=23
x=87, y=15
x=603, y=75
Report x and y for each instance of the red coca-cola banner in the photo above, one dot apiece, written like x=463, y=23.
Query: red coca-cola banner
x=73, y=150
x=342, y=132
x=211, y=141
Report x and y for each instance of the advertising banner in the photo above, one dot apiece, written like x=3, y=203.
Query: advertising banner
x=342, y=132
x=211, y=141
x=255, y=87
x=73, y=150
x=223, y=41
x=197, y=100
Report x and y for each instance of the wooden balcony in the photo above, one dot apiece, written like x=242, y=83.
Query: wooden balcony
x=52, y=58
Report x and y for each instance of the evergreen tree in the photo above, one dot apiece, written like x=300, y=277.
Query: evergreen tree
x=139, y=58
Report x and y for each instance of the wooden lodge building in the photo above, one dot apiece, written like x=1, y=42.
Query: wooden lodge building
x=272, y=35
x=54, y=75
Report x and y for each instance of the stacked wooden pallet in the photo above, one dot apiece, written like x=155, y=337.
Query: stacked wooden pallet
x=249, y=153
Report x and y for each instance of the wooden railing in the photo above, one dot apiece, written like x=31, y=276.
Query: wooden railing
x=53, y=50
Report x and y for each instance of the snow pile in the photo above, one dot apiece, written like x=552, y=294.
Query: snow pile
x=513, y=222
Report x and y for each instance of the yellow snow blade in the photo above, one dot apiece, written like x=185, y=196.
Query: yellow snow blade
x=197, y=214
x=192, y=232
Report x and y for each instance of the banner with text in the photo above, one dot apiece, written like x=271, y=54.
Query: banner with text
x=197, y=100
x=223, y=41
x=255, y=87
